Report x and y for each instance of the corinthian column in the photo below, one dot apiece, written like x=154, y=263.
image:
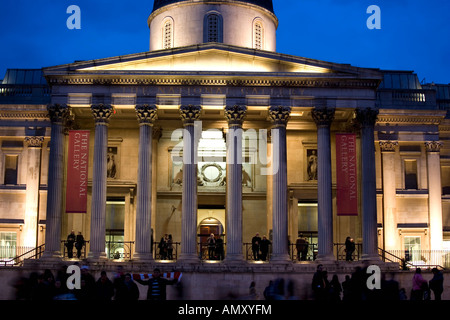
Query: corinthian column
x=323, y=117
x=34, y=147
x=279, y=116
x=101, y=114
x=389, y=195
x=189, y=114
x=434, y=194
x=235, y=116
x=146, y=115
x=58, y=114
x=367, y=118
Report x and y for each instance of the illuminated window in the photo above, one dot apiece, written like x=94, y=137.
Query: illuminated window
x=168, y=34
x=258, y=35
x=213, y=28
x=11, y=169
x=410, y=174
x=8, y=241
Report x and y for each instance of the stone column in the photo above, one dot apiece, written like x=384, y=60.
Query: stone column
x=279, y=116
x=146, y=115
x=367, y=118
x=189, y=114
x=235, y=116
x=323, y=118
x=389, y=195
x=101, y=114
x=58, y=114
x=34, y=147
x=434, y=195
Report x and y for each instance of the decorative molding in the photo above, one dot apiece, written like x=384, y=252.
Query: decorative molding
x=433, y=146
x=146, y=114
x=101, y=113
x=366, y=117
x=34, y=142
x=323, y=116
x=235, y=115
x=388, y=146
x=279, y=115
x=58, y=112
x=190, y=113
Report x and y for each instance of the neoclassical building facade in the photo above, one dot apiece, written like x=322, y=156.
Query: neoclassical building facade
x=213, y=131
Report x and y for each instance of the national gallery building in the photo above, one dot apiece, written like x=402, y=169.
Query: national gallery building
x=214, y=132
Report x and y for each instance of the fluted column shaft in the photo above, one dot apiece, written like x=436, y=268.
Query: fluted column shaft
x=434, y=195
x=57, y=113
x=146, y=115
x=101, y=115
x=235, y=116
x=389, y=195
x=34, y=147
x=189, y=114
x=279, y=116
x=323, y=118
x=367, y=118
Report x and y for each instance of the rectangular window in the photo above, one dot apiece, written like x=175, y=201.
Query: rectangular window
x=11, y=169
x=410, y=174
x=412, y=248
x=115, y=225
x=8, y=241
x=445, y=174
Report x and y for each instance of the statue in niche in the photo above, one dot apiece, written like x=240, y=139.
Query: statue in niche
x=111, y=163
x=178, y=179
x=246, y=181
x=312, y=164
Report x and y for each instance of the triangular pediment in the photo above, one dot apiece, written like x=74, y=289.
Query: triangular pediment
x=208, y=58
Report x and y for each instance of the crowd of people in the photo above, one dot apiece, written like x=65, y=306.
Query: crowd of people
x=47, y=286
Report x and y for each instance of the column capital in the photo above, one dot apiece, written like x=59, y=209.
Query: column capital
x=323, y=116
x=190, y=113
x=34, y=142
x=366, y=117
x=279, y=115
x=433, y=146
x=388, y=146
x=58, y=112
x=101, y=113
x=146, y=113
x=235, y=115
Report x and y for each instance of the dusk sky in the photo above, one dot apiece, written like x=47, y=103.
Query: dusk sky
x=414, y=34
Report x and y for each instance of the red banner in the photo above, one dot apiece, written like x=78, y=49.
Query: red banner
x=346, y=175
x=77, y=171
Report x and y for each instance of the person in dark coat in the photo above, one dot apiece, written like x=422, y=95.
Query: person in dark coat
x=349, y=249
x=79, y=243
x=256, y=241
x=104, y=287
x=319, y=284
x=264, y=247
x=126, y=288
x=69, y=244
x=156, y=285
x=219, y=248
x=437, y=284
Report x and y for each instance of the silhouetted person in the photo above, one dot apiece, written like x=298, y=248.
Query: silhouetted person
x=70, y=243
x=437, y=283
x=156, y=285
x=264, y=248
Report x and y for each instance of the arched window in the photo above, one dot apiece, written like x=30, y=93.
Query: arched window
x=213, y=28
x=167, y=33
x=258, y=35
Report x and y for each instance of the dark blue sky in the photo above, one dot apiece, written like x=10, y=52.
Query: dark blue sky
x=414, y=34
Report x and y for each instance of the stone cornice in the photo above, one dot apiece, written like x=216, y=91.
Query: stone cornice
x=217, y=79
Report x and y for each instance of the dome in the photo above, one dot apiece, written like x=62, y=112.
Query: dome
x=178, y=23
x=266, y=4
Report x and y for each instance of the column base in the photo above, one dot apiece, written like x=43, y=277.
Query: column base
x=234, y=258
x=143, y=257
x=96, y=256
x=188, y=258
x=368, y=257
x=280, y=258
x=325, y=257
x=53, y=256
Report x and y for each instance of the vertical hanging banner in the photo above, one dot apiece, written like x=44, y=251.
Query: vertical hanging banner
x=346, y=175
x=77, y=171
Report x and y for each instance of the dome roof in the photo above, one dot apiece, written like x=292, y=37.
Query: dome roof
x=266, y=4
